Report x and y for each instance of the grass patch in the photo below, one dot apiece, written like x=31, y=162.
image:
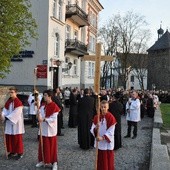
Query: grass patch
x=165, y=110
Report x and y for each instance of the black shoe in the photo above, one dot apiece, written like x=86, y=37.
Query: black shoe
x=11, y=155
x=61, y=134
x=127, y=136
x=19, y=156
x=134, y=137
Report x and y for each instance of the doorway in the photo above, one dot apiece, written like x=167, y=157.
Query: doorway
x=55, y=78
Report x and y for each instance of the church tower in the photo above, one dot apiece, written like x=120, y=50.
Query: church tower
x=159, y=62
x=160, y=32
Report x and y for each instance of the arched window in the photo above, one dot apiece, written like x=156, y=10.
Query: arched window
x=56, y=45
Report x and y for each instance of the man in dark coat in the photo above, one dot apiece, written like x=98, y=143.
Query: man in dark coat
x=116, y=108
x=86, y=111
x=150, y=106
x=72, y=122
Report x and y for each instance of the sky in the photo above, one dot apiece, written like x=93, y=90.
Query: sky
x=155, y=12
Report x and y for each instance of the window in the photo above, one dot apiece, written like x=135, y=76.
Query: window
x=83, y=35
x=56, y=45
x=67, y=60
x=93, y=20
x=57, y=9
x=91, y=69
x=76, y=34
x=54, y=8
x=132, y=78
x=89, y=72
x=68, y=32
x=74, y=67
x=92, y=43
x=90, y=17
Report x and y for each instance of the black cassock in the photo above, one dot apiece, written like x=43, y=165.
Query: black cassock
x=116, y=108
x=86, y=111
x=72, y=122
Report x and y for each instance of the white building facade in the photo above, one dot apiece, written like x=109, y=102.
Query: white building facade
x=67, y=30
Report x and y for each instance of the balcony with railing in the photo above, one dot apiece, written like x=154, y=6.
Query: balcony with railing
x=74, y=12
x=76, y=47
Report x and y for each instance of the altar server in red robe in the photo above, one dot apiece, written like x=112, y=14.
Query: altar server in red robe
x=12, y=116
x=106, y=128
x=47, y=118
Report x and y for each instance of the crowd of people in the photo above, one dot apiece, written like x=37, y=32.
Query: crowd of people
x=103, y=128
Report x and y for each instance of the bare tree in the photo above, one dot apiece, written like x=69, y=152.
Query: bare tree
x=108, y=34
x=124, y=34
x=139, y=64
x=139, y=60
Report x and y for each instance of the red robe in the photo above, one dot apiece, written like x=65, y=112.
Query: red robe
x=106, y=157
x=14, y=142
x=49, y=142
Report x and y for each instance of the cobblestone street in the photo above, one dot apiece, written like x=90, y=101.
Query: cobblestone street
x=133, y=155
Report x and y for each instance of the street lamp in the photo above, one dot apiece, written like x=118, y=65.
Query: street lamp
x=56, y=64
x=69, y=65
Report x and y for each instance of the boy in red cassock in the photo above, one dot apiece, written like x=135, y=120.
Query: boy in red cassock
x=106, y=128
x=47, y=118
x=12, y=116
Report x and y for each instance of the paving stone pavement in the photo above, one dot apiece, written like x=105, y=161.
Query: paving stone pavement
x=134, y=154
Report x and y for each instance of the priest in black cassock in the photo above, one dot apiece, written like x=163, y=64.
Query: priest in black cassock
x=86, y=112
x=72, y=122
x=116, y=108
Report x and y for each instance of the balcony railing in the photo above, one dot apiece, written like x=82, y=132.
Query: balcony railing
x=75, y=46
x=77, y=14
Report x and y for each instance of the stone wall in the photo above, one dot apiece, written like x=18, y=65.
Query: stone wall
x=159, y=153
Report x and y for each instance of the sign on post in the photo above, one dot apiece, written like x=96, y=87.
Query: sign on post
x=41, y=71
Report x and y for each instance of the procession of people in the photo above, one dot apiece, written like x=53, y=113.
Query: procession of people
x=103, y=128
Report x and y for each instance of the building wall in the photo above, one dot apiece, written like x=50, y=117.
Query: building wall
x=22, y=73
x=159, y=70
x=56, y=25
x=135, y=84
x=87, y=76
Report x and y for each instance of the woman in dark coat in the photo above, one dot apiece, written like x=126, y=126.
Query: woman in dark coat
x=116, y=108
x=72, y=123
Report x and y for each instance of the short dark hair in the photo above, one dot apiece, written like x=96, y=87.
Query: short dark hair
x=86, y=91
x=74, y=90
x=49, y=92
x=13, y=88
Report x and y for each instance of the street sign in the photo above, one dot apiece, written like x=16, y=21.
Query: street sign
x=41, y=71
